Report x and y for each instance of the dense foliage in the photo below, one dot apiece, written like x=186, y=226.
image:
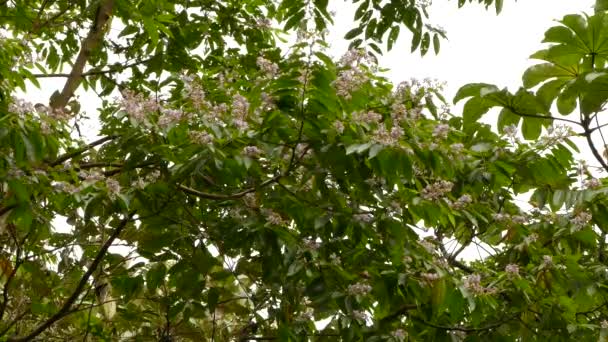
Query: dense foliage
x=237, y=190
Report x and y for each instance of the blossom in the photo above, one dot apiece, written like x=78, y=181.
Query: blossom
x=512, y=269
x=272, y=217
x=462, y=202
x=430, y=276
x=399, y=334
x=581, y=220
x=441, y=131
x=252, y=151
x=271, y=69
x=359, y=289
x=311, y=244
x=113, y=187
x=170, y=117
x=604, y=324
x=436, y=190
x=360, y=315
x=136, y=106
x=473, y=283
x=369, y=117
x=457, y=148
x=510, y=131
x=592, y=183
x=364, y=218
x=339, y=126
x=201, y=138
x=428, y=245
x=547, y=261
x=334, y=259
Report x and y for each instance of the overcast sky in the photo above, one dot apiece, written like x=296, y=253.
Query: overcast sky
x=482, y=46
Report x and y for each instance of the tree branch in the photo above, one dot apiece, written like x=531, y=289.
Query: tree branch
x=594, y=150
x=92, y=40
x=65, y=308
x=70, y=155
x=95, y=72
x=544, y=117
x=235, y=195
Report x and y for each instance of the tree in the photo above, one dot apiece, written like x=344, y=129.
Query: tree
x=238, y=191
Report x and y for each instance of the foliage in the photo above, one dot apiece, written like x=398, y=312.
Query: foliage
x=240, y=191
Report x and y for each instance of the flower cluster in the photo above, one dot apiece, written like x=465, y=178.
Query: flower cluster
x=462, y=202
x=430, y=277
x=581, y=220
x=311, y=244
x=555, y=135
x=436, y=190
x=252, y=151
x=170, y=117
x=240, y=111
x=512, y=270
x=269, y=68
x=359, y=289
x=339, y=126
x=364, y=218
x=441, y=131
x=113, y=188
x=349, y=81
x=369, y=117
x=354, y=76
x=201, y=138
x=360, y=315
x=272, y=217
x=137, y=107
x=592, y=183
x=383, y=137
x=473, y=284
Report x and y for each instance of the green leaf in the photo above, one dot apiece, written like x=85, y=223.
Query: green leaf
x=472, y=89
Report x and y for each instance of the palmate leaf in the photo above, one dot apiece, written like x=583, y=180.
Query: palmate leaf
x=578, y=46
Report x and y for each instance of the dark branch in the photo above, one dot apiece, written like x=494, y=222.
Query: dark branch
x=594, y=150
x=77, y=152
x=67, y=305
x=96, y=72
x=544, y=117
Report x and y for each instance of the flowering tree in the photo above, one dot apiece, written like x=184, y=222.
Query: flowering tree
x=238, y=191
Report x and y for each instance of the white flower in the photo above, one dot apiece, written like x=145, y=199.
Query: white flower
x=457, y=148
x=364, y=218
x=272, y=217
x=252, y=151
x=399, y=334
x=436, y=190
x=430, y=276
x=592, y=183
x=113, y=187
x=473, y=284
x=581, y=220
x=339, y=126
x=359, y=289
x=201, y=138
x=547, y=261
x=269, y=68
x=360, y=315
x=441, y=131
x=512, y=269
x=462, y=202
x=510, y=131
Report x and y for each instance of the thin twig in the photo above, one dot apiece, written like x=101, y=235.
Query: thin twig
x=77, y=152
x=65, y=308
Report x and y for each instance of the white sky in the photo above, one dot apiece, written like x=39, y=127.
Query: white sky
x=482, y=46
